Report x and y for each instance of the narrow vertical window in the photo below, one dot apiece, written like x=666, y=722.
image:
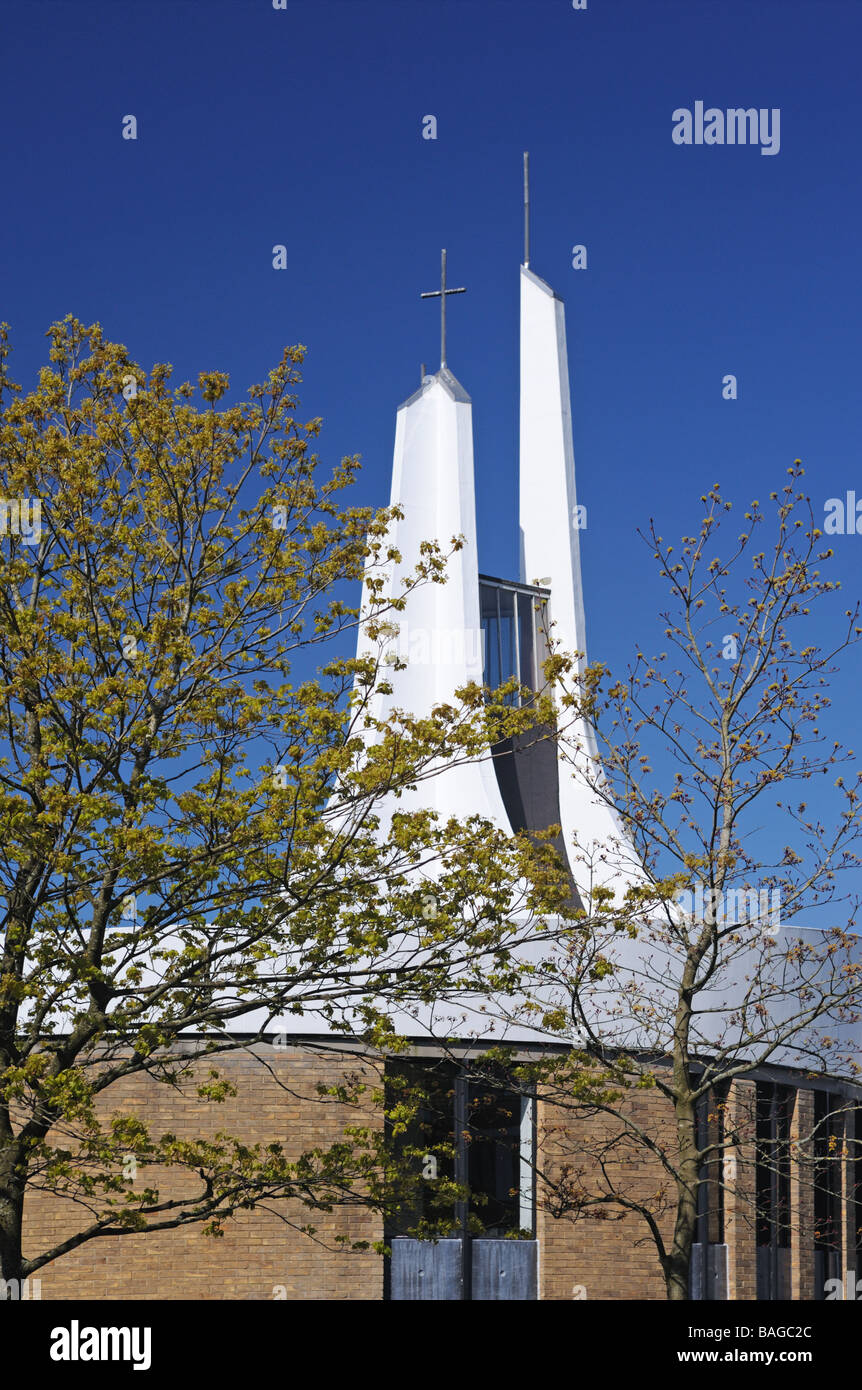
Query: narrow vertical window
x=772, y=1190
x=490, y=621
x=508, y=666
x=526, y=645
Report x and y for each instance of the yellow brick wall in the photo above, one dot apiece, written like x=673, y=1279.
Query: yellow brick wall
x=258, y=1253
x=603, y=1254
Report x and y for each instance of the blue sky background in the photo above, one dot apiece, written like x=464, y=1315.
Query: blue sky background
x=303, y=127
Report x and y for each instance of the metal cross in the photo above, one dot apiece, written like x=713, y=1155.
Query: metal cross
x=441, y=295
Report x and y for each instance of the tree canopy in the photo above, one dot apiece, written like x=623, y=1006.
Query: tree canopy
x=189, y=810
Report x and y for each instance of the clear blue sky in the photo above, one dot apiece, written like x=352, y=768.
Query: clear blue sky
x=303, y=127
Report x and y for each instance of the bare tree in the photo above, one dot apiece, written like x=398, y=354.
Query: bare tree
x=736, y=948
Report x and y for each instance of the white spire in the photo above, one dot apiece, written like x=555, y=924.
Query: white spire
x=439, y=632
x=550, y=554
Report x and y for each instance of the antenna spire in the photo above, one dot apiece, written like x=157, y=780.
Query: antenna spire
x=526, y=208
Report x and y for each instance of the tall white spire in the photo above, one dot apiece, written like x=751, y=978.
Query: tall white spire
x=439, y=632
x=551, y=555
x=550, y=539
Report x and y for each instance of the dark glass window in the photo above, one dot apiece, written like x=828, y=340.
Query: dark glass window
x=775, y=1109
x=772, y=1173
x=508, y=649
x=526, y=643
x=514, y=624
x=772, y=1189
x=494, y=1157
x=429, y=1139
x=491, y=634
x=710, y=1192
x=466, y=1130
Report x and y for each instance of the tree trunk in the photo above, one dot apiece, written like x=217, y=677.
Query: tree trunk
x=11, y=1220
x=678, y=1261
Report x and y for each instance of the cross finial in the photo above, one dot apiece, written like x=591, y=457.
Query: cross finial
x=441, y=295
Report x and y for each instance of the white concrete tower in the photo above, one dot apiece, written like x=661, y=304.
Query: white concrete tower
x=550, y=555
x=439, y=636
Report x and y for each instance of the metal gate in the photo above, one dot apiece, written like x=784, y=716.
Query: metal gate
x=708, y=1271
x=483, y=1271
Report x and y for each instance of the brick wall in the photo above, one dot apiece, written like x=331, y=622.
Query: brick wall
x=802, y=1197
x=259, y=1256
x=739, y=1193
x=605, y=1255
x=848, y=1205
x=608, y=1254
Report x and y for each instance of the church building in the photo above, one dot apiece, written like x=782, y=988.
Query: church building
x=783, y=1229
